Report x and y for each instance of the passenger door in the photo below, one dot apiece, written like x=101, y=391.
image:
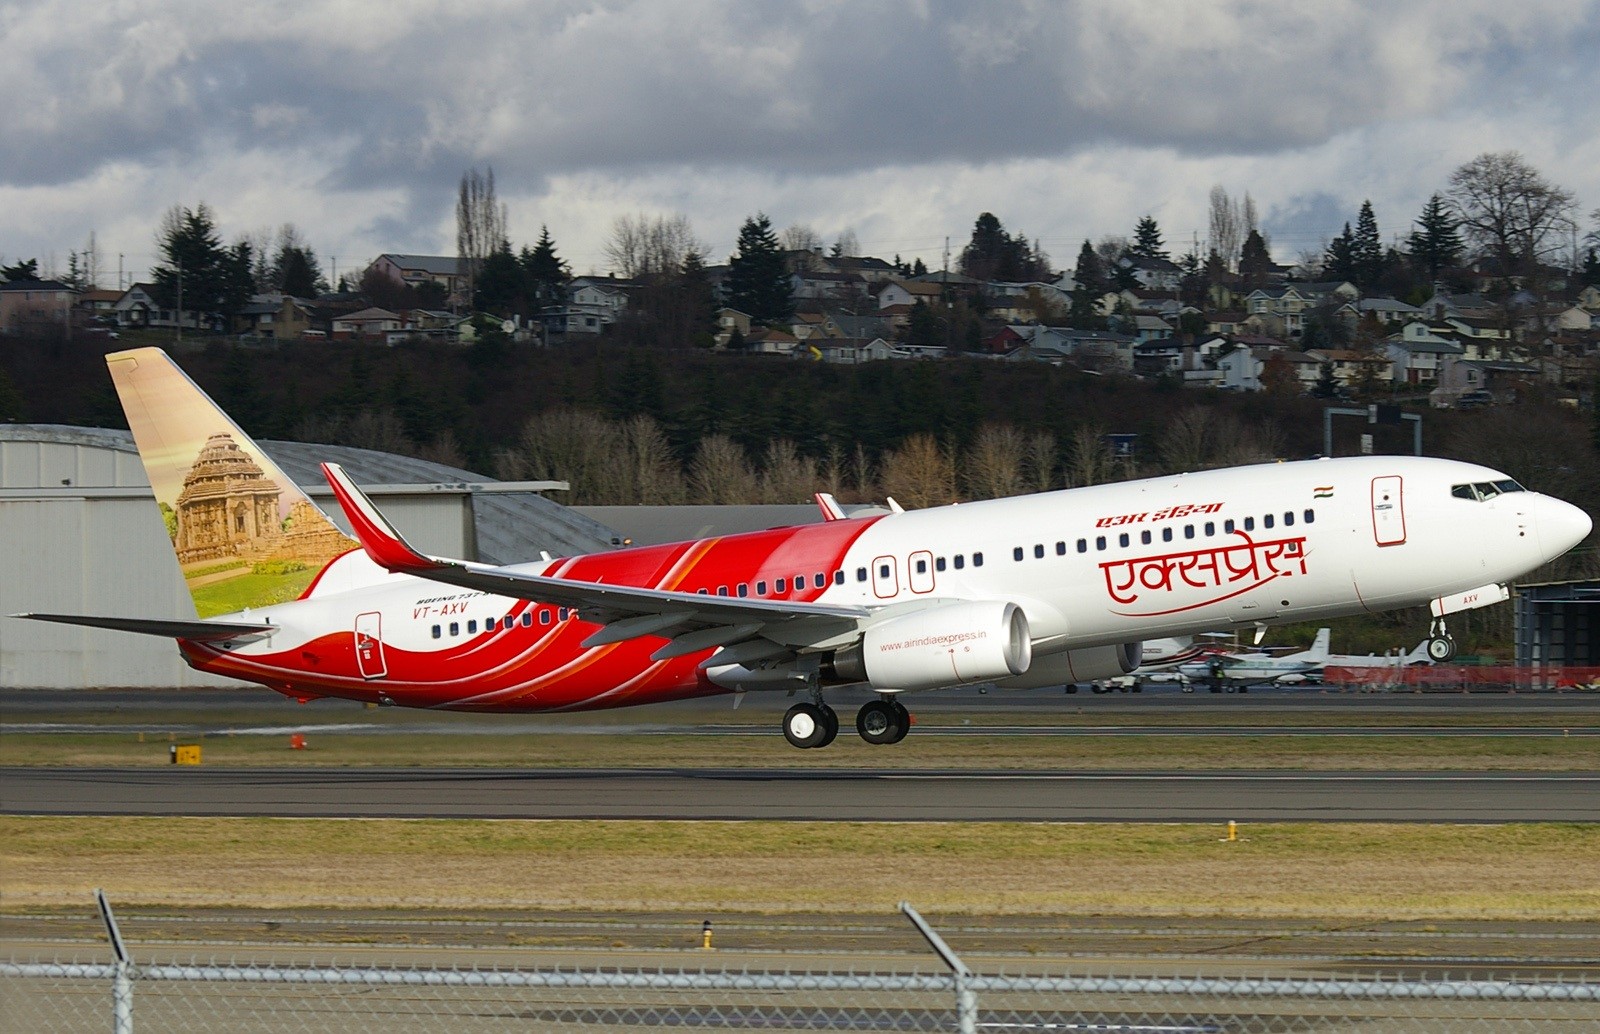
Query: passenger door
x=1388, y=511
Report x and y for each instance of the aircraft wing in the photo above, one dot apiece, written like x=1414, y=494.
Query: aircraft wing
x=170, y=628
x=692, y=620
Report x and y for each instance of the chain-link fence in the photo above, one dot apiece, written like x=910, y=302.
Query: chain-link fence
x=47, y=997
x=44, y=998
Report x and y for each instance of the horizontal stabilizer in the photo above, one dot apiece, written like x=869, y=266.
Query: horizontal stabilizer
x=170, y=628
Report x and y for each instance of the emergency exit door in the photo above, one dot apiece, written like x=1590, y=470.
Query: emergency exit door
x=1388, y=511
x=369, y=646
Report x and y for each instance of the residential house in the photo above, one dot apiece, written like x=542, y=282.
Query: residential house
x=1417, y=360
x=1155, y=274
x=770, y=341
x=366, y=323
x=1176, y=355
x=872, y=271
x=731, y=322
x=1353, y=368
x=1461, y=380
x=827, y=286
x=1240, y=369
x=850, y=351
x=1020, y=302
x=35, y=305
x=909, y=292
x=1282, y=311
x=593, y=304
x=1385, y=310
x=1150, y=328
x=414, y=270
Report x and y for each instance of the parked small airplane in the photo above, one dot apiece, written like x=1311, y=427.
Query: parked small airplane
x=1040, y=590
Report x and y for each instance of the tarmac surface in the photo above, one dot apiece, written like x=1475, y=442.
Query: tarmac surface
x=947, y=795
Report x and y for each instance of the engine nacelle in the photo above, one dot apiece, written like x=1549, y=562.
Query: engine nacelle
x=951, y=645
x=1088, y=665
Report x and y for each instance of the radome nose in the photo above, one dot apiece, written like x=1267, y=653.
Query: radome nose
x=1561, y=526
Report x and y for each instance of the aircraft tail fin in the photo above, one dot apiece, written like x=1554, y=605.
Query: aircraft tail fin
x=245, y=535
x=1319, y=646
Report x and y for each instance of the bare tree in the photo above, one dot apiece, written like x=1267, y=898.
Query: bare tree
x=1040, y=463
x=1225, y=233
x=787, y=476
x=920, y=473
x=1089, y=458
x=993, y=467
x=1201, y=437
x=654, y=477
x=720, y=473
x=643, y=246
x=800, y=237
x=845, y=245
x=480, y=226
x=573, y=446
x=1510, y=211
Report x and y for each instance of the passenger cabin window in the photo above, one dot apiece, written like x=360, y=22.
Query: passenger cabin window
x=544, y=615
x=761, y=588
x=1038, y=552
x=938, y=563
x=1249, y=524
x=527, y=619
x=1266, y=522
x=744, y=589
x=1122, y=539
x=455, y=628
x=782, y=585
x=1099, y=542
x=1083, y=545
x=977, y=560
x=472, y=627
x=961, y=561
x=922, y=567
x=1016, y=554
x=1188, y=531
x=1227, y=526
x=436, y=631
x=1166, y=534
x=1144, y=537
x=819, y=580
x=838, y=577
x=1310, y=516
x=1288, y=519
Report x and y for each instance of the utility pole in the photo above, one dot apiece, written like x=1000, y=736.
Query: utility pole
x=180, y=303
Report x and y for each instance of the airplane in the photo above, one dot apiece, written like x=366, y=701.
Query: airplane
x=1244, y=669
x=1026, y=592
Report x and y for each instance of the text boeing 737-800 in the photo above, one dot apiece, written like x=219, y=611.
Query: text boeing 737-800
x=1031, y=591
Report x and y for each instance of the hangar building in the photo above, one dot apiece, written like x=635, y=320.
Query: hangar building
x=81, y=534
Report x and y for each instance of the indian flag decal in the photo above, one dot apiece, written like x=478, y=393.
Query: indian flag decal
x=1323, y=492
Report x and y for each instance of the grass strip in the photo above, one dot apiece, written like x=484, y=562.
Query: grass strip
x=1353, y=871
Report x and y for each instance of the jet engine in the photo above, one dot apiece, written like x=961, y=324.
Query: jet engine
x=951, y=645
x=1087, y=665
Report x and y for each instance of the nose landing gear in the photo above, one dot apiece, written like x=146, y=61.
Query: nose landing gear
x=1441, y=648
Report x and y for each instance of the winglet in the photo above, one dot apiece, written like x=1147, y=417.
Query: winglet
x=831, y=510
x=377, y=536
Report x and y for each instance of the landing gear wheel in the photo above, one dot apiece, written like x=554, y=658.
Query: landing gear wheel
x=902, y=719
x=830, y=718
x=1441, y=648
x=806, y=725
x=879, y=721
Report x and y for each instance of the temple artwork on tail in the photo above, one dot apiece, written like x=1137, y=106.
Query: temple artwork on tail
x=244, y=534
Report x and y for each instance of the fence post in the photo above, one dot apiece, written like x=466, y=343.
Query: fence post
x=966, y=998
x=122, y=978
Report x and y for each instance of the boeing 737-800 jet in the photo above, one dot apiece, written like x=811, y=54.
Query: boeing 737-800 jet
x=1032, y=591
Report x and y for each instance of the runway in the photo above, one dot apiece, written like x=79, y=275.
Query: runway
x=791, y=794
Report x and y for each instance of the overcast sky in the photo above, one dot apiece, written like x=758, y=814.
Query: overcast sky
x=897, y=121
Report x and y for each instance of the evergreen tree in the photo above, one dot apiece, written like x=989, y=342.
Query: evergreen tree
x=500, y=286
x=1436, y=242
x=1366, y=249
x=28, y=270
x=1090, y=276
x=216, y=280
x=1255, y=261
x=697, y=303
x=10, y=399
x=758, y=282
x=1147, y=239
x=993, y=254
x=547, y=273
x=1590, y=274
x=294, y=272
x=1339, y=261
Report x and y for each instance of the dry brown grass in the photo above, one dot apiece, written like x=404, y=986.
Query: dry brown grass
x=1355, y=871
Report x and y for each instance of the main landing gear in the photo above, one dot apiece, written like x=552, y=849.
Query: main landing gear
x=1441, y=648
x=816, y=724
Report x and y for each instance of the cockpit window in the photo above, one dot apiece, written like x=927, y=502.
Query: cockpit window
x=1483, y=491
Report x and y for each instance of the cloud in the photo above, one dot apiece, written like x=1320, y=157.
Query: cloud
x=933, y=110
